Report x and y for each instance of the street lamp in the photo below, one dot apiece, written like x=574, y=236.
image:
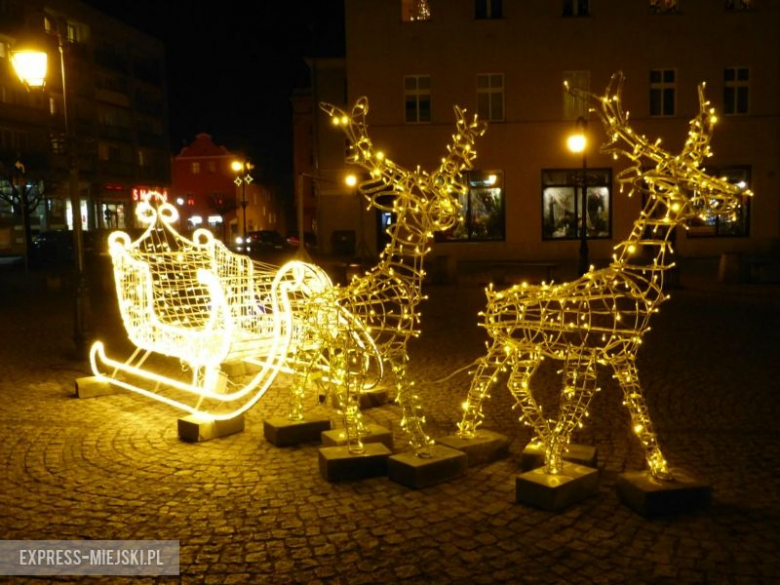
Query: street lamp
x=31, y=65
x=243, y=178
x=578, y=143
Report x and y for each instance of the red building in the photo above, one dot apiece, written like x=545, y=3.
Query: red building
x=208, y=193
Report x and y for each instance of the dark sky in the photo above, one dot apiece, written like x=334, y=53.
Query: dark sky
x=232, y=67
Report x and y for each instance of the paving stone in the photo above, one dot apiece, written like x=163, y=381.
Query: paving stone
x=241, y=508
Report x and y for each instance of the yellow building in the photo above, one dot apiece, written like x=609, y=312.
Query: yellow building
x=508, y=61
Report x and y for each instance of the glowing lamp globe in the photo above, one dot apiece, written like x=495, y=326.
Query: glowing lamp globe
x=30, y=66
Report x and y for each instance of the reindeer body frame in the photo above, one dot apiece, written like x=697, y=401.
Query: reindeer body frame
x=385, y=299
x=600, y=318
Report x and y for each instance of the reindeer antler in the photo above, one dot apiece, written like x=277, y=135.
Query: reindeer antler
x=460, y=154
x=672, y=173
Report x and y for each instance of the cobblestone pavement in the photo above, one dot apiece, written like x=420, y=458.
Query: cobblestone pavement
x=247, y=512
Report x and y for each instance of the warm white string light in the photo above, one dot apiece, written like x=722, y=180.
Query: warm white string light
x=385, y=300
x=600, y=318
x=197, y=301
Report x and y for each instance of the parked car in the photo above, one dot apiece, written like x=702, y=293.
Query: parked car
x=309, y=239
x=267, y=245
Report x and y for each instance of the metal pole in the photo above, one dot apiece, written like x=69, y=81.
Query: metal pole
x=243, y=203
x=302, y=254
x=82, y=322
x=584, y=262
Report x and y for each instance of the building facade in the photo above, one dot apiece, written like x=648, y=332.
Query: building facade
x=508, y=61
x=118, y=108
x=210, y=193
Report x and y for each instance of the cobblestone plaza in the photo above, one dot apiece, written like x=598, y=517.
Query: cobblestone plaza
x=245, y=511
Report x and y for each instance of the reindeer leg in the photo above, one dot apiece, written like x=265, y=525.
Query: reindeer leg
x=627, y=375
x=484, y=378
x=524, y=365
x=579, y=387
x=412, y=420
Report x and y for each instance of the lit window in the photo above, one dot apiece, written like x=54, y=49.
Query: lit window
x=562, y=204
x=736, y=90
x=490, y=96
x=3, y=50
x=488, y=9
x=415, y=10
x=573, y=106
x=662, y=92
x=663, y=6
x=74, y=35
x=481, y=210
x=417, y=96
x=576, y=7
x=737, y=226
x=196, y=168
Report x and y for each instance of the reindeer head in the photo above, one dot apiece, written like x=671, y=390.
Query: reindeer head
x=679, y=183
x=431, y=201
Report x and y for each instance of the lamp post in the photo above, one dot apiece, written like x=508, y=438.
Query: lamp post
x=243, y=178
x=31, y=65
x=578, y=143
x=361, y=251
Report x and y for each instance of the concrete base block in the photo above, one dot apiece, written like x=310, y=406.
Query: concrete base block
x=651, y=497
x=372, y=398
x=198, y=428
x=233, y=369
x=376, y=434
x=94, y=386
x=554, y=492
x=533, y=456
x=485, y=447
x=338, y=464
x=418, y=472
x=283, y=432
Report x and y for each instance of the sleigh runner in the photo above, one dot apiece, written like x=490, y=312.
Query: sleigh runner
x=196, y=301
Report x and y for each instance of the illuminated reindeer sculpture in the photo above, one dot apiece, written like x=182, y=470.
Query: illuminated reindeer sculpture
x=384, y=301
x=600, y=318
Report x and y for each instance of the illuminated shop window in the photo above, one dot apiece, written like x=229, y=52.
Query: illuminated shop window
x=562, y=204
x=481, y=210
x=720, y=225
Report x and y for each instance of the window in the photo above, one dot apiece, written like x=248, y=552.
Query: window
x=662, y=86
x=736, y=90
x=490, y=96
x=3, y=50
x=212, y=166
x=663, y=6
x=417, y=94
x=562, y=204
x=195, y=168
x=481, y=209
x=415, y=10
x=573, y=106
x=576, y=7
x=487, y=9
x=735, y=5
x=738, y=226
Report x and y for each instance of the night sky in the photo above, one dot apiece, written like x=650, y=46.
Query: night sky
x=232, y=67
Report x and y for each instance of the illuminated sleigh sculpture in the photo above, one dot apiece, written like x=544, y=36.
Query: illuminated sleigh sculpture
x=197, y=301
